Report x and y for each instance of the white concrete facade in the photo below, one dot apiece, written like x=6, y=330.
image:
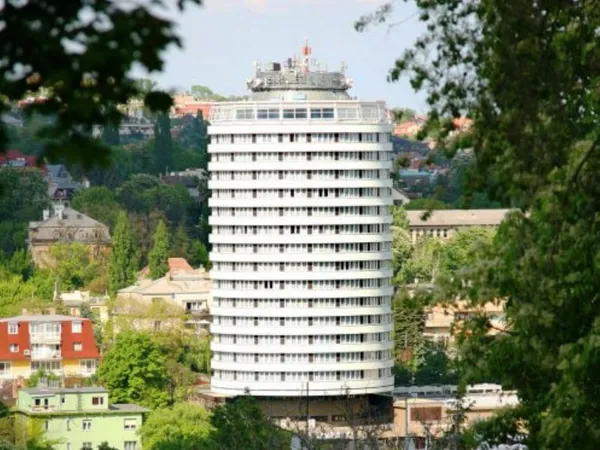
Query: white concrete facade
x=300, y=196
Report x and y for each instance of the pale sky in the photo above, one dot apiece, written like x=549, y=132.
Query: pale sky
x=224, y=37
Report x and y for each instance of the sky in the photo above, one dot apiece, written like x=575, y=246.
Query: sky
x=223, y=38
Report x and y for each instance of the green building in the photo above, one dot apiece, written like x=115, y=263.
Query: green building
x=76, y=418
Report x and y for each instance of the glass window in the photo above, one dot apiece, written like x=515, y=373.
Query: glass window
x=244, y=114
x=77, y=347
x=297, y=113
x=130, y=445
x=5, y=368
x=130, y=424
x=97, y=400
x=88, y=366
x=13, y=328
x=76, y=327
x=13, y=348
x=87, y=424
x=267, y=114
x=87, y=446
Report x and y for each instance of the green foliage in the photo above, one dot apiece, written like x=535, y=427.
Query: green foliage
x=242, y=424
x=409, y=322
x=5, y=444
x=35, y=378
x=15, y=293
x=159, y=255
x=530, y=84
x=180, y=246
x=73, y=266
x=198, y=255
x=433, y=366
x=23, y=192
x=426, y=204
x=85, y=86
x=403, y=114
x=123, y=261
x=134, y=371
x=163, y=144
x=184, y=426
x=98, y=202
x=104, y=446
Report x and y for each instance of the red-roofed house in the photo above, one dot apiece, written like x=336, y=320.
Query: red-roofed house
x=62, y=345
x=14, y=158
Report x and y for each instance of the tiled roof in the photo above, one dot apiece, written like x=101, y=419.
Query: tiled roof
x=457, y=217
x=42, y=318
x=82, y=225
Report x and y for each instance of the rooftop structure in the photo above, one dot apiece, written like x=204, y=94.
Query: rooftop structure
x=63, y=345
x=78, y=418
x=65, y=225
x=183, y=287
x=443, y=223
x=300, y=231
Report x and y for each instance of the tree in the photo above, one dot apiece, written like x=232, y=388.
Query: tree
x=23, y=193
x=163, y=144
x=133, y=370
x=84, y=82
x=401, y=240
x=242, y=424
x=98, y=202
x=427, y=204
x=198, y=255
x=184, y=426
x=73, y=266
x=159, y=255
x=181, y=244
x=526, y=72
x=123, y=259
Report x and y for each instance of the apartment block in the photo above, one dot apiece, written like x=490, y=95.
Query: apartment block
x=62, y=345
x=77, y=418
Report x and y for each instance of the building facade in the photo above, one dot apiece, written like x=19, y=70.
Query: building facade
x=62, y=345
x=300, y=197
x=445, y=223
x=77, y=418
x=63, y=225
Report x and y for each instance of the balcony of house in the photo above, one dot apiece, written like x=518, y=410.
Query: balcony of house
x=45, y=355
x=44, y=337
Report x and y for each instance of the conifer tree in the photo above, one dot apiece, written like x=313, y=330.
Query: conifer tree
x=159, y=255
x=123, y=261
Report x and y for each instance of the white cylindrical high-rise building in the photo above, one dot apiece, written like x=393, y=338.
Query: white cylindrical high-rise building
x=300, y=197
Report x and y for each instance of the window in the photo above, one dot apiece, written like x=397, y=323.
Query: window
x=77, y=347
x=76, y=327
x=97, y=400
x=298, y=113
x=87, y=425
x=321, y=113
x=244, y=114
x=130, y=445
x=87, y=446
x=426, y=414
x=13, y=348
x=5, y=368
x=68, y=424
x=130, y=424
x=88, y=366
x=46, y=425
x=13, y=328
x=267, y=114
x=68, y=446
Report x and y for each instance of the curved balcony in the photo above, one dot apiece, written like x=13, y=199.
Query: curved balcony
x=300, y=312
x=241, y=330
x=298, y=275
x=308, y=293
x=300, y=367
x=299, y=388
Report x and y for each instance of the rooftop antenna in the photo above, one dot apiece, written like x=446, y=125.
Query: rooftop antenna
x=306, y=51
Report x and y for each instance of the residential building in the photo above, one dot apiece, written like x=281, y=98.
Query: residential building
x=14, y=158
x=419, y=418
x=186, y=288
x=186, y=104
x=61, y=185
x=301, y=237
x=444, y=223
x=77, y=418
x=399, y=197
x=65, y=225
x=443, y=322
x=74, y=301
x=190, y=178
x=62, y=345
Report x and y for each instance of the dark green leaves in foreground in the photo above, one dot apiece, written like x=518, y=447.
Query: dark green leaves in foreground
x=78, y=54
